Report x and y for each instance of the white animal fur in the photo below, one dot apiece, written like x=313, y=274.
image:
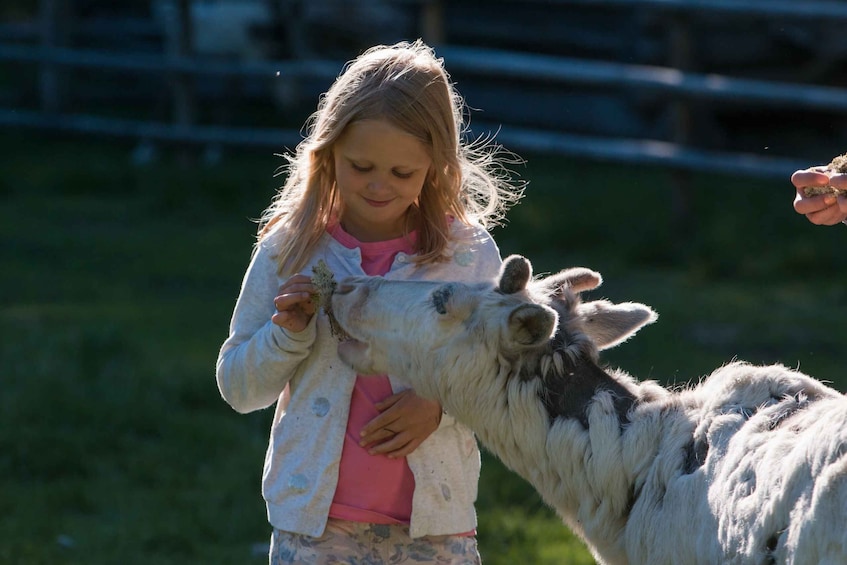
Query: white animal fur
x=747, y=467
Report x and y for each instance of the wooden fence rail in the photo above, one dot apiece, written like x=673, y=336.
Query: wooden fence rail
x=675, y=84
x=662, y=80
x=812, y=9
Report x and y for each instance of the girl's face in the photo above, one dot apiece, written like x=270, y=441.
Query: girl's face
x=379, y=171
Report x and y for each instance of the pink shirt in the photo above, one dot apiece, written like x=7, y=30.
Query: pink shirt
x=371, y=488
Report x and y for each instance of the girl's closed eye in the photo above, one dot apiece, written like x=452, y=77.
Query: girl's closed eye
x=368, y=168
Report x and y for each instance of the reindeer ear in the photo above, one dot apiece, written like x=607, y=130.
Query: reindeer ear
x=514, y=274
x=608, y=324
x=531, y=325
x=578, y=279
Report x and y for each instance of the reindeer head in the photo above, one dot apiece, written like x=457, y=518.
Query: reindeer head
x=420, y=331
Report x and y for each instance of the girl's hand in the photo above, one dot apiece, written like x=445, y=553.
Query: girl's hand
x=824, y=209
x=294, y=306
x=406, y=420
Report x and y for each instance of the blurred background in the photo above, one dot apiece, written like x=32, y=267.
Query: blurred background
x=140, y=140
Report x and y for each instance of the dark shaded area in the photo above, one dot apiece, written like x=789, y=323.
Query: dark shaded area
x=126, y=232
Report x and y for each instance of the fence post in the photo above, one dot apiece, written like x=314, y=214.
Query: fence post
x=179, y=43
x=681, y=191
x=432, y=22
x=52, y=14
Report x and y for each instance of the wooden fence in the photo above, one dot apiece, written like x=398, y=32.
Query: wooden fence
x=40, y=46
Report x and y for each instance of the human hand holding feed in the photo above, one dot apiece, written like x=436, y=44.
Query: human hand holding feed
x=293, y=303
x=822, y=192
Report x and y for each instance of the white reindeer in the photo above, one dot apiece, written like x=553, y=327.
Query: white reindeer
x=747, y=467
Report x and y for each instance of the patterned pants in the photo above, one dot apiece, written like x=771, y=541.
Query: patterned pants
x=353, y=543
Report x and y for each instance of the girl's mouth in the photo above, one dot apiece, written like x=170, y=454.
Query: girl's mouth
x=377, y=203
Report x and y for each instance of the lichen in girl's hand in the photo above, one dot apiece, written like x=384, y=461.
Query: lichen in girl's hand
x=839, y=164
x=324, y=282
x=836, y=166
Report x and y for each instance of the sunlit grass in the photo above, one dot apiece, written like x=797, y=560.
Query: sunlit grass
x=118, y=283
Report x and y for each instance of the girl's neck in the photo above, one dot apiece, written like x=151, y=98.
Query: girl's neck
x=369, y=233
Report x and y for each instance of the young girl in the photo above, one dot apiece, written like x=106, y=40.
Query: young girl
x=358, y=469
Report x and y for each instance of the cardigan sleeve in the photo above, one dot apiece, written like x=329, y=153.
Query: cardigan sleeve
x=258, y=358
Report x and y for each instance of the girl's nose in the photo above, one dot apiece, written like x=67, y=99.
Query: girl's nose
x=378, y=181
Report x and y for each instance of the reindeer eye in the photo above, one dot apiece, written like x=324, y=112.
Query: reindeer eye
x=440, y=298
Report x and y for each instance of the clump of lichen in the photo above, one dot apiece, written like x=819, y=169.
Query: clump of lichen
x=324, y=282
x=837, y=166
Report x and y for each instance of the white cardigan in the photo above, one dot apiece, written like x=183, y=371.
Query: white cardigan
x=259, y=359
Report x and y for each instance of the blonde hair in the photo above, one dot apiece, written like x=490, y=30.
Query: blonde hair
x=408, y=86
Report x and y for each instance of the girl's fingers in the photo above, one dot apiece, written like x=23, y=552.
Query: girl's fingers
x=294, y=320
x=294, y=288
x=395, y=445
x=297, y=283
x=381, y=427
x=290, y=300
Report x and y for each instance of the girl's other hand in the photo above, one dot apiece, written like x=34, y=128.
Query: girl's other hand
x=294, y=306
x=406, y=420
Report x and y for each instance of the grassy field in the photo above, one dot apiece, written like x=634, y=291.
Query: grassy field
x=117, y=286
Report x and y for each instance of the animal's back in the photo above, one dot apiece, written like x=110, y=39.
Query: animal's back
x=764, y=477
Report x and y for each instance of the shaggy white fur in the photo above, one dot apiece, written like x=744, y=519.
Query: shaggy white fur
x=747, y=467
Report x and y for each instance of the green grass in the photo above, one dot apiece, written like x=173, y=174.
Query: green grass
x=118, y=283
